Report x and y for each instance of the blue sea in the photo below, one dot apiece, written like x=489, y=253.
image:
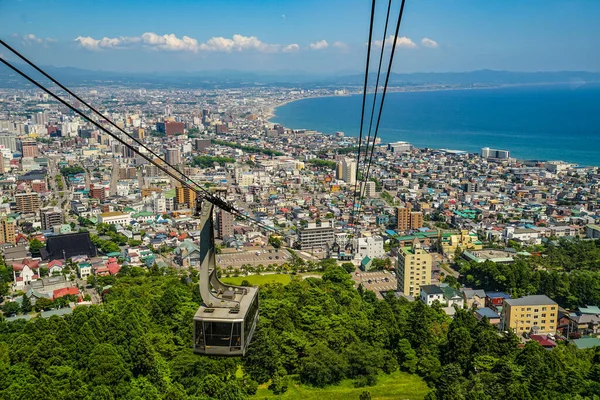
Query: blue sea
x=554, y=122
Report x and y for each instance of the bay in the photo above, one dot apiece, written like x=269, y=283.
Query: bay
x=554, y=122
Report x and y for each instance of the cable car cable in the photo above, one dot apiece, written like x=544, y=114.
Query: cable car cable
x=387, y=18
x=362, y=116
x=385, y=86
x=205, y=194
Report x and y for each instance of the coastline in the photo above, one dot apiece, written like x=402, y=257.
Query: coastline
x=586, y=161
x=271, y=112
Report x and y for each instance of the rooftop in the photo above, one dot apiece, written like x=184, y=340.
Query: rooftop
x=487, y=312
x=113, y=214
x=535, y=300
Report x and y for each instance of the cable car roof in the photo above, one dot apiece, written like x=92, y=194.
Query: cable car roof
x=216, y=313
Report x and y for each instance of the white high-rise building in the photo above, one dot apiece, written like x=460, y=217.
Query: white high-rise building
x=159, y=204
x=371, y=247
x=346, y=170
x=486, y=152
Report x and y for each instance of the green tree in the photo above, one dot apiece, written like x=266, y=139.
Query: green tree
x=349, y=267
x=10, y=308
x=26, y=305
x=275, y=241
x=43, y=303
x=35, y=245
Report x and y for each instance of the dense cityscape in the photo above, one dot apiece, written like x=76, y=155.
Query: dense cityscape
x=484, y=237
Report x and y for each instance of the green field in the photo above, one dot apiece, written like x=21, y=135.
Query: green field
x=399, y=385
x=258, y=279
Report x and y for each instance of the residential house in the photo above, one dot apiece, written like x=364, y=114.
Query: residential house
x=431, y=293
x=488, y=313
x=187, y=254
x=474, y=297
x=84, y=270
x=71, y=291
x=452, y=297
x=55, y=267
x=366, y=263
x=494, y=300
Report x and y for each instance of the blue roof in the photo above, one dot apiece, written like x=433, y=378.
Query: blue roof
x=487, y=312
x=496, y=295
x=390, y=232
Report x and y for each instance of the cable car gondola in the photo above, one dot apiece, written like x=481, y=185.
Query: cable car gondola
x=225, y=323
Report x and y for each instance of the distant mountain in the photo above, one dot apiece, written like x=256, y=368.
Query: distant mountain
x=235, y=79
x=483, y=76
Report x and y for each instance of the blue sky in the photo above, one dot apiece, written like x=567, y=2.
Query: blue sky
x=325, y=36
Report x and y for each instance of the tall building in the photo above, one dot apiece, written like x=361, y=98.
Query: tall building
x=39, y=186
x=9, y=141
x=408, y=219
x=486, y=152
x=2, y=170
x=413, y=269
x=416, y=220
x=29, y=148
x=201, y=144
x=28, y=202
x=98, y=193
x=316, y=235
x=346, y=170
x=7, y=230
x=224, y=224
x=138, y=133
x=170, y=128
x=173, y=156
x=185, y=197
x=368, y=189
x=50, y=217
x=400, y=147
x=530, y=314
x=159, y=204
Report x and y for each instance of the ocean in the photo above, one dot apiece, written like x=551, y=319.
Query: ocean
x=554, y=122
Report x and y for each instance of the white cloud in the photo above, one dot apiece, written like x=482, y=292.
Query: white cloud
x=238, y=43
x=319, y=45
x=30, y=38
x=340, y=45
x=429, y=43
x=170, y=42
x=90, y=43
x=291, y=48
x=402, y=41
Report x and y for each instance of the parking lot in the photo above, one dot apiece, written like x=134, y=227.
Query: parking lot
x=377, y=281
x=253, y=258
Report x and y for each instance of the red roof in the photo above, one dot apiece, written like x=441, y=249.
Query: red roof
x=33, y=264
x=543, y=340
x=113, y=269
x=112, y=259
x=65, y=292
x=55, y=262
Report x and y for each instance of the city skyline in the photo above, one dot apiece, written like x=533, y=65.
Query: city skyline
x=435, y=36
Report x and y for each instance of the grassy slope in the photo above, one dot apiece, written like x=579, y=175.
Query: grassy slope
x=399, y=385
x=258, y=279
